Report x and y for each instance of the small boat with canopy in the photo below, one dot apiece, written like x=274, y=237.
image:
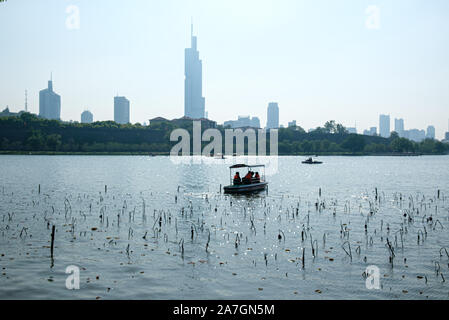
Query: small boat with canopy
x=251, y=181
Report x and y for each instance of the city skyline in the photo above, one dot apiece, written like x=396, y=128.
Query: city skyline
x=315, y=78
x=50, y=108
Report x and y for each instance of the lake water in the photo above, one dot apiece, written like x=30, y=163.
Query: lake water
x=145, y=237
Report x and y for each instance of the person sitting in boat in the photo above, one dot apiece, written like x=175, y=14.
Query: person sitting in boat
x=247, y=178
x=253, y=177
x=237, y=179
x=257, y=177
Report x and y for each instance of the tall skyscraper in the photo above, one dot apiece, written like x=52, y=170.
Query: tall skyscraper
x=430, y=132
x=273, y=115
x=194, y=102
x=121, y=110
x=49, y=103
x=399, y=127
x=87, y=117
x=384, y=126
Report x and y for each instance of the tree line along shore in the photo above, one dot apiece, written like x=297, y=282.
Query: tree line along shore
x=29, y=134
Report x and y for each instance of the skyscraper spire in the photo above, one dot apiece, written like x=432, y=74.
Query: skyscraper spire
x=194, y=102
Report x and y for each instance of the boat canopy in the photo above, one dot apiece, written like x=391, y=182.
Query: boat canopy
x=246, y=166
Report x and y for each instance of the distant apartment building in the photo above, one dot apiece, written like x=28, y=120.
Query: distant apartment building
x=430, y=134
x=121, y=110
x=273, y=115
x=242, y=122
x=352, y=130
x=399, y=127
x=370, y=132
x=87, y=117
x=292, y=124
x=384, y=126
x=415, y=135
x=49, y=103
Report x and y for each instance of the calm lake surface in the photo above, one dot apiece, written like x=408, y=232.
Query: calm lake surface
x=163, y=230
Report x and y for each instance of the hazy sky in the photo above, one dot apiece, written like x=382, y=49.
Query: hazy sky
x=317, y=59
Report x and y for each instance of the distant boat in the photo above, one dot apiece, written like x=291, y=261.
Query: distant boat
x=311, y=161
x=220, y=156
x=241, y=186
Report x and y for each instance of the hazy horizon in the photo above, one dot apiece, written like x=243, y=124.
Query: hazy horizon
x=317, y=59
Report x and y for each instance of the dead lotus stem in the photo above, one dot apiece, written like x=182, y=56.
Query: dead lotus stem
x=349, y=246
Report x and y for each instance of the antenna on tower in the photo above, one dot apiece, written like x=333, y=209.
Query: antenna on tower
x=191, y=26
x=26, y=101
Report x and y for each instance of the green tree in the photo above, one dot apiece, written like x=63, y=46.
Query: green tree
x=36, y=141
x=401, y=145
x=54, y=141
x=306, y=146
x=330, y=126
x=354, y=143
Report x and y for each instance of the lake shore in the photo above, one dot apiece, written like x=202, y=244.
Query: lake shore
x=358, y=154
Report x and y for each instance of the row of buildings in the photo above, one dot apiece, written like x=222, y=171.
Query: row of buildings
x=50, y=107
x=121, y=112
x=411, y=134
x=254, y=122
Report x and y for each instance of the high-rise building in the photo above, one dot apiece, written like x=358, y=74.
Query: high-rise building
x=49, y=103
x=194, y=102
x=292, y=124
x=352, y=130
x=430, y=134
x=384, y=126
x=399, y=127
x=121, y=110
x=415, y=135
x=255, y=122
x=273, y=115
x=87, y=117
